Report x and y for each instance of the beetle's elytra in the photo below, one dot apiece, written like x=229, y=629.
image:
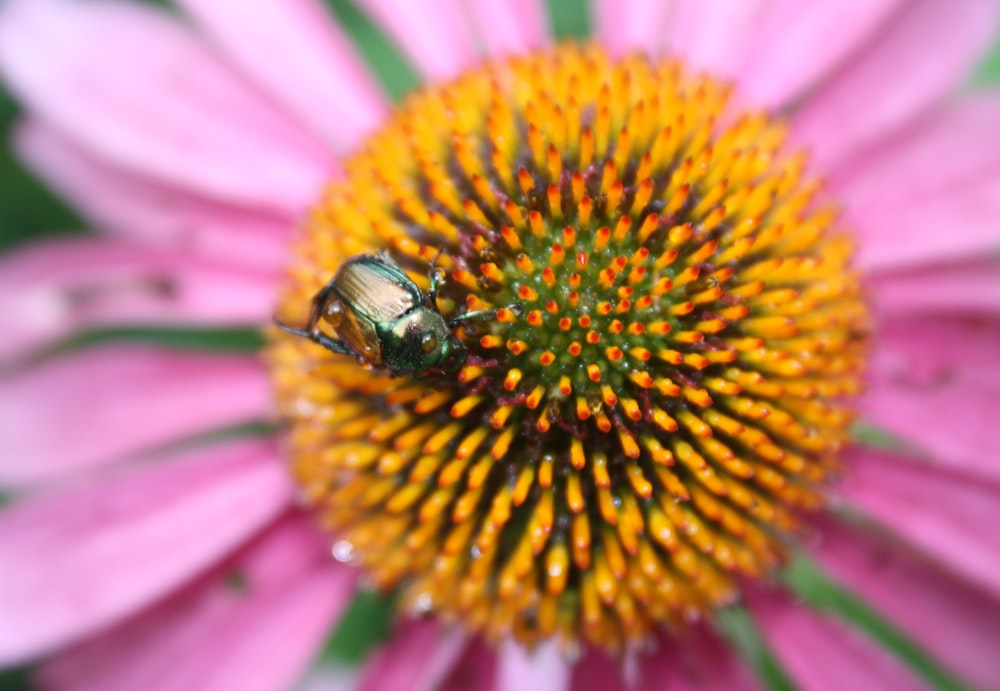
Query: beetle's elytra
x=383, y=318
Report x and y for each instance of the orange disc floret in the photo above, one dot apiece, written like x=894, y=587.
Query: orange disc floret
x=664, y=382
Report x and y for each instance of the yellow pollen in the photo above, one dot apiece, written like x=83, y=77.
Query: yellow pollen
x=657, y=382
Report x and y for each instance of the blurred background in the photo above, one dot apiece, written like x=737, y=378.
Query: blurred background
x=28, y=209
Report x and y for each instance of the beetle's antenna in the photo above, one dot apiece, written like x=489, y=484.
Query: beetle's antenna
x=437, y=255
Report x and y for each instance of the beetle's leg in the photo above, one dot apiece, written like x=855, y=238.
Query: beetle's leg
x=319, y=302
x=480, y=315
x=437, y=277
x=457, y=359
x=316, y=336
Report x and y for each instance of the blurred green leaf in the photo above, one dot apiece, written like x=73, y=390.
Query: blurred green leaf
x=570, y=19
x=366, y=623
x=27, y=208
x=879, y=438
x=16, y=679
x=988, y=73
x=739, y=628
x=217, y=436
x=236, y=339
x=808, y=582
x=393, y=71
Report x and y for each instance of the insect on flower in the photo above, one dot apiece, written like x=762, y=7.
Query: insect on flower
x=385, y=320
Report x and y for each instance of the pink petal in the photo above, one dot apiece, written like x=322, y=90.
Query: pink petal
x=145, y=211
x=945, y=515
x=939, y=391
x=794, y=46
x=133, y=85
x=541, y=668
x=271, y=645
x=80, y=559
x=474, y=671
x=257, y=635
x=327, y=676
x=663, y=670
x=913, y=352
x=971, y=288
x=433, y=33
x=923, y=55
x=628, y=26
x=293, y=50
x=420, y=657
x=931, y=194
x=713, y=35
x=817, y=650
x=514, y=26
x=597, y=671
x=697, y=659
x=953, y=146
x=51, y=289
x=912, y=347
x=956, y=226
x=112, y=402
x=957, y=624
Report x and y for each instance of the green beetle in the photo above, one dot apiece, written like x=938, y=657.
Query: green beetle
x=384, y=319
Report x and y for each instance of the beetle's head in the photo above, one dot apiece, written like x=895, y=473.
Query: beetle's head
x=419, y=342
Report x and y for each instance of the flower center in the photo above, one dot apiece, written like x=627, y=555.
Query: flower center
x=652, y=383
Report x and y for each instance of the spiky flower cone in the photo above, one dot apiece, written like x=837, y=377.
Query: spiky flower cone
x=661, y=388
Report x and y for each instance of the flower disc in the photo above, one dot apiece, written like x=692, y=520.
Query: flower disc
x=672, y=331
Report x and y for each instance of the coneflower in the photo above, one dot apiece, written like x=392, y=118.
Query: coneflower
x=662, y=388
